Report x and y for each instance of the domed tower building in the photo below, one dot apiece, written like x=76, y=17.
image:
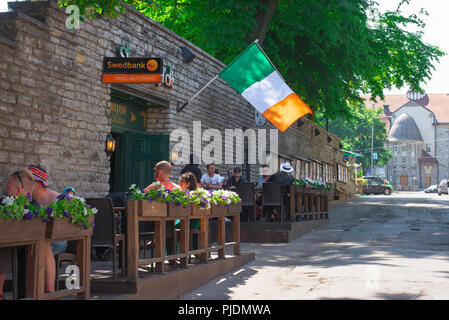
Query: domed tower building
x=418, y=137
x=406, y=143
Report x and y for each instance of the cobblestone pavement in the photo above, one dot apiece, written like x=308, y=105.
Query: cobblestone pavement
x=375, y=247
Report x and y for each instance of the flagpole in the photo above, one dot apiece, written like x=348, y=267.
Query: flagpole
x=193, y=97
x=257, y=42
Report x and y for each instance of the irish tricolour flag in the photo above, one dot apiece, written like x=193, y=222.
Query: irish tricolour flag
x=257, y=80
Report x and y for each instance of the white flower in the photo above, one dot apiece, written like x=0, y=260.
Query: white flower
x=94, y=210
x=132, y=186
x=8, y=201
x=85, y=211
x=80, y=199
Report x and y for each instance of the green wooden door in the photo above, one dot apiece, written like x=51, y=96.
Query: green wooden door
x=142, y=152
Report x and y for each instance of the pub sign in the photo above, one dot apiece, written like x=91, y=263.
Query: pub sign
x=132, y=70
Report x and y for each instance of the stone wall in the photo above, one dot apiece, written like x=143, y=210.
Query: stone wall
x=55, y=107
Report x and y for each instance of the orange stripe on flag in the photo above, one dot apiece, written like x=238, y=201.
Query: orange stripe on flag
x=286, y=111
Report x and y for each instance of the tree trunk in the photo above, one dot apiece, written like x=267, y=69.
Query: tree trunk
x=263, y=18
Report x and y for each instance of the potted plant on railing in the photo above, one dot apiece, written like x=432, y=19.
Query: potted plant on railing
x=299, y=185
x=236, y=203
x=68, y=217
x=19, y=220
x=65, y=217
x=222, y=199
x=178, y=201
x=201, y=205
x=150, y=203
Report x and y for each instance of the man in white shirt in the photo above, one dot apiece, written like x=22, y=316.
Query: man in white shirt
x=211, y=180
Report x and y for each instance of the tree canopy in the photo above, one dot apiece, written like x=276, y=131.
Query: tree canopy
x=355, y=134
x=329, y=51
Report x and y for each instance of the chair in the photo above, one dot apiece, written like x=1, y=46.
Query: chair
x=146, y=234
x=245, y=190
x=105, y=231
x=59, y=260
x=193, y=232
x=272, y=197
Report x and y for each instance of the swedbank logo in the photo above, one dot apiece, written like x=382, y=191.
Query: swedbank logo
x=137, y=65
x=127, y=65
x=152, y=65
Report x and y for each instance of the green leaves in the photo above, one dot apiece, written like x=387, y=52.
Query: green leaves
x=66, y=207
x=329, y=51
x=355, y=133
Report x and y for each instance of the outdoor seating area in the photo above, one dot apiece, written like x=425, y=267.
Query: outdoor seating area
x=298, y=211
x=164, y=252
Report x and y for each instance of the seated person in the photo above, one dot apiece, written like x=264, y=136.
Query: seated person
x=284, y=178
x=263, y=177
x=236, y=178
x=192, y=167
x=44, y=196
x=211, y=180
x=162, y=177
x=259, y=184
x=69, y=190
x=230, y=174
x=187, y=181
x=221, y=177
x=20, y=182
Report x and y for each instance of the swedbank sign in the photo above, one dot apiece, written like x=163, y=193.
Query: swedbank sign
x=132, y=70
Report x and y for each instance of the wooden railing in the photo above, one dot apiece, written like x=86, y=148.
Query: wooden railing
x=37, y=235
x=308, y=203
x=159, y=213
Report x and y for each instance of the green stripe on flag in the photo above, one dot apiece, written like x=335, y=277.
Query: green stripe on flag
x=249, y=67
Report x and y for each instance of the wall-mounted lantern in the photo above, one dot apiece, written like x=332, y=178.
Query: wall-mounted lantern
x=110, y=144
x=187, y=55
x=174, y=156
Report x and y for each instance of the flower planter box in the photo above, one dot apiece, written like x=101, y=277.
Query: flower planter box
x=151, y=208
x=13, y=230
x=219, y=210
x=235, y=208
x=178, y=211
x=309, y=190
x=63, y=228
x=299, y=189
x=198, y=211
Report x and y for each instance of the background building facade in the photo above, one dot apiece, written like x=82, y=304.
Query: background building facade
x=418, y=137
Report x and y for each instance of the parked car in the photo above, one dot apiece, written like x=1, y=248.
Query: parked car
x=375, y=187
x=432, y=189
x=442, y=187
x=380, y=180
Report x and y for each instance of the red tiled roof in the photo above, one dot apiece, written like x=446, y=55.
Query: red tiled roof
x=438, y=103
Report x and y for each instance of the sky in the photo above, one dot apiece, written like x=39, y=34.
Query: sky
x=435, y=33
